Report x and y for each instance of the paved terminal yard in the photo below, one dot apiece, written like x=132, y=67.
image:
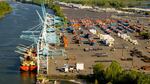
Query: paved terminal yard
x=121, y=48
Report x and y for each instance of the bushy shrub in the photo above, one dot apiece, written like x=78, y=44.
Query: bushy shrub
x=145, y=34
x=113, y=71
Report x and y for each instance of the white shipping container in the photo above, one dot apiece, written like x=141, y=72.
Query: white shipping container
x=80, y=66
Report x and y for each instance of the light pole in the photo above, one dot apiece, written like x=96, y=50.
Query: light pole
x=122, y=50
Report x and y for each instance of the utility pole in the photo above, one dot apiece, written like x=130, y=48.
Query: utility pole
x=133, y=58
x=122, y=50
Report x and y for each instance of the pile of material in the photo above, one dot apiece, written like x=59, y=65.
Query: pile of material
x=145, y=68
x=140, y=55
x=106, y=39
x=92, y=49
x=127, y=38
x=87, y=22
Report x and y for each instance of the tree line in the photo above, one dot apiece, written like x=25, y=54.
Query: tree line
x=115, y=74
x=4, y=8
x=50, y=4
x=106, y=3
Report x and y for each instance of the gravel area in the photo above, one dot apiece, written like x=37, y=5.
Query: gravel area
x=77, y=54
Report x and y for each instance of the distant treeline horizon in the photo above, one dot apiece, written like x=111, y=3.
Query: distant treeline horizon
x=108, y=3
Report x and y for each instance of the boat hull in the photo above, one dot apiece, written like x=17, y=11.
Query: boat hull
x=33, y=68
x=28, y=68
x=24, y=68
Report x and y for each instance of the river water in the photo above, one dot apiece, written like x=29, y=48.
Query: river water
x=22, y=18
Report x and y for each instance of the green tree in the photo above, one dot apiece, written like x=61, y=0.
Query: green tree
x=113, y=71
x=143, y=79
x=128, y=77
x=145, y=34
x=4, y=8
x=114, y=74
x=98, y=70
x=96, y=81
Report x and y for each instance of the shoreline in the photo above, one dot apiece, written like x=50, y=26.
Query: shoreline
x=7, y=9
x=70, y=78
x=2, y=16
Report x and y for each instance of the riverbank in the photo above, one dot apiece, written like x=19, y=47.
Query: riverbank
x=49, y=4
x=66, y=79
x=5, y=8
